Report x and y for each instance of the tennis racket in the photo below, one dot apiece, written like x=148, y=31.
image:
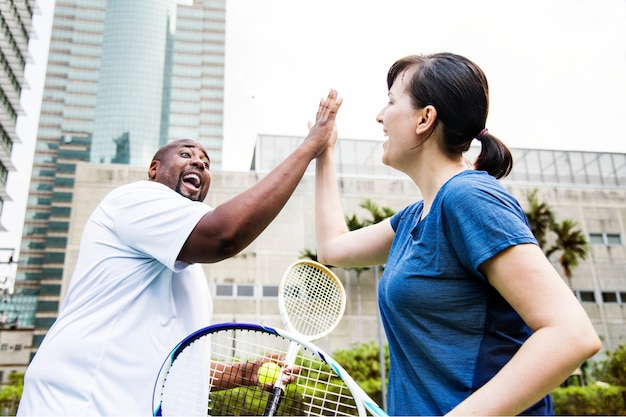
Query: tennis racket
x=311, y=300
x=191, y=383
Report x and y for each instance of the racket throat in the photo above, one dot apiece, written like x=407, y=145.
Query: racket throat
x=274, y=401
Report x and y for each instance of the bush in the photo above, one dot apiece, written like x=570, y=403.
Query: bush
x=605, y=397
x=601, y=398
x=614, y=370
x=363, y=364
x=10, y=394
x=598, y=399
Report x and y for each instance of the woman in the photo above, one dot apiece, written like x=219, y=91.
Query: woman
x=477, y=319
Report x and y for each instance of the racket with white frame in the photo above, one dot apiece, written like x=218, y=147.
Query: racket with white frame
x=191, y=382
x=311, y=301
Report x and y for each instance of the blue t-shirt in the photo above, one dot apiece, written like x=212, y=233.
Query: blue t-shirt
x=449, y=331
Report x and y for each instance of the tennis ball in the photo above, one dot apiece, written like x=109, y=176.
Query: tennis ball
x=268, y=373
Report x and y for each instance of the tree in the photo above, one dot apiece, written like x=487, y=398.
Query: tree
x=540, y=217
x=308, y=254
x=10, y=394
x=571, y=242
x=614, y=369
x=378, y=213
x=353, y=223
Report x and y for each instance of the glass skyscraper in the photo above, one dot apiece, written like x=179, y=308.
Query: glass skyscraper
x=123, y=78
x=16, y=31
x=16, y=18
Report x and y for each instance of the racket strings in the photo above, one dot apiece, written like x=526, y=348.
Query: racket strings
x=313, y=300
x=329, y=396
x=188, y=381
x=317, y=389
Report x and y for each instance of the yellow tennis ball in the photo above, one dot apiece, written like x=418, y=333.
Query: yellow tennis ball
x=268, y=373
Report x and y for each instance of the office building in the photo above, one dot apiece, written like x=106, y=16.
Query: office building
x=587, y=187
x=123, y=77
x=16, y=30
x=92, y=137
x=16, y=18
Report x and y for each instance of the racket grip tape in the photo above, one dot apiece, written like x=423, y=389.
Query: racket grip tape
x=274, y=401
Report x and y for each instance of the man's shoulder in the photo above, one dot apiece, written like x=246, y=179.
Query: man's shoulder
x=136, y=187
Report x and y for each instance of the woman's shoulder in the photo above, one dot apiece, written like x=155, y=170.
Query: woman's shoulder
x=470, y=182
x=412, y=209
x=471, y=189
x=471, y=177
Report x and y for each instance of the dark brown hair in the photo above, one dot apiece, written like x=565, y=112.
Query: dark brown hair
x=458, y=89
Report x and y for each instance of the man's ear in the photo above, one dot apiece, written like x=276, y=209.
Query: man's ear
x=153, y=169
x=426, y=120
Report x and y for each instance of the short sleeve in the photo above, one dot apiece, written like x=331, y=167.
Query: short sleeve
x=410, y=211
x=155, y=220
x=481, y=219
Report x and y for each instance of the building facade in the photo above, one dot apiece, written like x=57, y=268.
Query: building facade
x=16, y=18
x=16, y=30
x=123, y=77
x=587, y=187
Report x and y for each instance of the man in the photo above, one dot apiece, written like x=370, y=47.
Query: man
x=137, y=288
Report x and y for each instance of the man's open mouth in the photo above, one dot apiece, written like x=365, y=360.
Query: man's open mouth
x=192, y=179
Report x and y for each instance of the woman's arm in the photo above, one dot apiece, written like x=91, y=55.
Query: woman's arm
x=234, y=224
x=336, y=245
x=563, y=334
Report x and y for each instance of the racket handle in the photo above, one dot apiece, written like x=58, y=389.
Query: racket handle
x=274, y=401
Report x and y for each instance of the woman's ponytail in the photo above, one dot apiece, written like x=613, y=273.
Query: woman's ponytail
x=494, y=157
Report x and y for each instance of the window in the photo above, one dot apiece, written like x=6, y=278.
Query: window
x=234, y=290
x=245, y=291
x=596, y=239
x=607, y=239
x=586, y=296
x=270, y=291
x=613, y=239
x=224, y=290
x=609, y=297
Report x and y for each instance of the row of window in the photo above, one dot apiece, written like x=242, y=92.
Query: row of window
x=271, y=291
x=5, y=347
x=8, y=106
x=244, y=291
x=4, y=62
x=9, y=37
x=608, y=297
x=607, y=239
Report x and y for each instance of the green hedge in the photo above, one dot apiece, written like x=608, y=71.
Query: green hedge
x=591, y=400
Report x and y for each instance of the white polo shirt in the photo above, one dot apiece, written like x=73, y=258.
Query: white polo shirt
x=129, y=303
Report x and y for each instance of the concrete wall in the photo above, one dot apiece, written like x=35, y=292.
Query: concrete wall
x=264, y=261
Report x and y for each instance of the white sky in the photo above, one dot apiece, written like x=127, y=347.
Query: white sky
x=556, y=69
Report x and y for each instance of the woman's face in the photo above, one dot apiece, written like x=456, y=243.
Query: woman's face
x=399, y=119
